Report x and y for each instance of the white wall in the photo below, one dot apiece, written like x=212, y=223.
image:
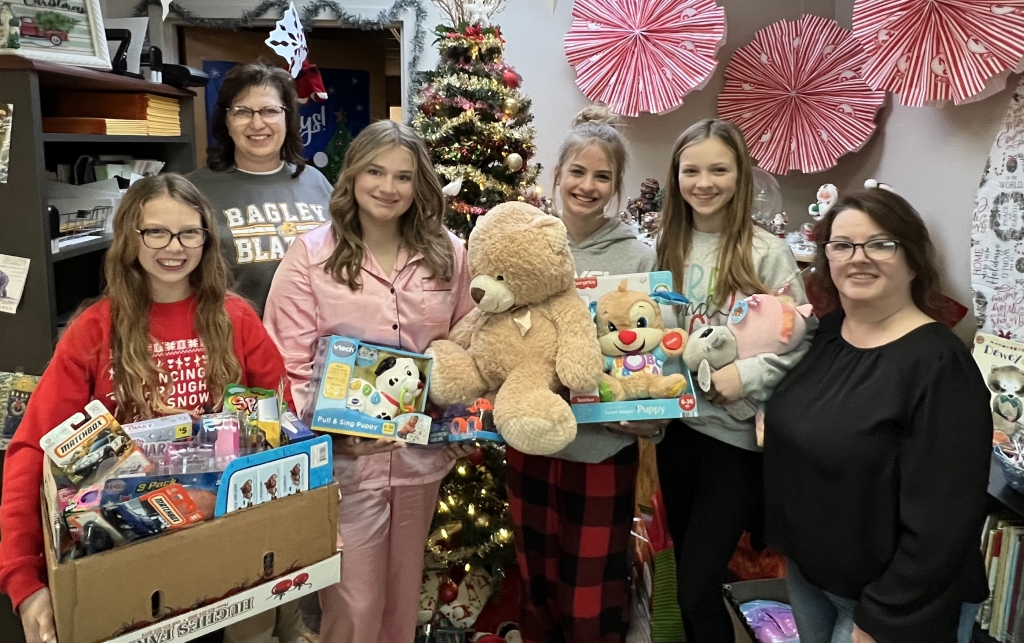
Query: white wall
x=932, y=156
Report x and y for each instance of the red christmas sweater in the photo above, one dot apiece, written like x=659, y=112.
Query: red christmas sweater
x=80, y=371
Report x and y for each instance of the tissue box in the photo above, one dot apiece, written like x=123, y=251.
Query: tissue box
x=636, y=348
x=369, y=391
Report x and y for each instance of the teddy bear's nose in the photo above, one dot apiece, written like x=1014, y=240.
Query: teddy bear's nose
x=477, y=294
x=627, y=336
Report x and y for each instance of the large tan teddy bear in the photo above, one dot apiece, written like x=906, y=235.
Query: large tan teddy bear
x=529, y=336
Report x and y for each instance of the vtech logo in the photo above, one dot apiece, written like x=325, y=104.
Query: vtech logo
x=343, y=348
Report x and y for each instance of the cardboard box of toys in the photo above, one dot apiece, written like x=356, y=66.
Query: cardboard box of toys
x=112, y=484
x=191, y=582
x=370, y=391
x=644, y=375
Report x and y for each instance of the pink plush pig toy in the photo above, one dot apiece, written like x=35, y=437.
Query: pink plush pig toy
x=757, y=325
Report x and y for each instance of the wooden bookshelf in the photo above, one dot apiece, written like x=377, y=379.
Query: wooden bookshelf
x=113, y=139
x=58, y=283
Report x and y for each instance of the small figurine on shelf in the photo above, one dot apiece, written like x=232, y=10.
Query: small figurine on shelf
x=642, y=213
x=778, y=225
x=826, y=197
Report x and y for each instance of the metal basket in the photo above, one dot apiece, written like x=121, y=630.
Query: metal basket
x=84, y=222
x=1012, y=472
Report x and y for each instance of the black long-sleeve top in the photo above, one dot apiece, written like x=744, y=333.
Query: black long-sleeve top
x=876, y=464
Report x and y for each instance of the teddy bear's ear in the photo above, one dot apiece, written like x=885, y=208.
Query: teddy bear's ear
x=553, y=231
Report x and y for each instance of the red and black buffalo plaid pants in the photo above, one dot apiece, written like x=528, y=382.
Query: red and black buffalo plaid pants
x=572, y=527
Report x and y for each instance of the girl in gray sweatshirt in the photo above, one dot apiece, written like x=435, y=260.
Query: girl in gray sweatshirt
x=573, y=512
x=709, y=466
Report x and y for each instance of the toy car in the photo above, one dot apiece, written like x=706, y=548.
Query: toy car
x=133, y=519
x=105, y=446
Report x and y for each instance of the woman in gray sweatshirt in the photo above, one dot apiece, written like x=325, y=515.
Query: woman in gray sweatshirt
x=573, y=511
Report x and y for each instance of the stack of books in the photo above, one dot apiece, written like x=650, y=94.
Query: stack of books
x=1003, y=613
x=111, y=113
x=113, y=126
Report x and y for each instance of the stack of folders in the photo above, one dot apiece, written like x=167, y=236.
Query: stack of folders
x=136, y=114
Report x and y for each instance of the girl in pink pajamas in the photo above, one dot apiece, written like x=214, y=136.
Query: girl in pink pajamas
x=384, y=271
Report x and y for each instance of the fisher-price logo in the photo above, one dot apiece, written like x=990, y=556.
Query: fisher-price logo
x=585, y=283
x=78, y=437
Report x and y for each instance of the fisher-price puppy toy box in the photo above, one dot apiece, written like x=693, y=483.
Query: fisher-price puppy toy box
x=644, y=377
x=370, y=391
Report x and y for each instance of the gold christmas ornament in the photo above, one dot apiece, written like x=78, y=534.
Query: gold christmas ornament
x=514, y=162
x=483, y=521
x=510, y=107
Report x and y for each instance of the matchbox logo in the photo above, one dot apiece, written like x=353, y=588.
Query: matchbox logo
x=67, y=447
x=166, y=510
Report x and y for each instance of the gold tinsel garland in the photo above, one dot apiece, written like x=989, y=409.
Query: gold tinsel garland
x=475, y=46
x=440, y=129
x=457, y=84
x=485, y=182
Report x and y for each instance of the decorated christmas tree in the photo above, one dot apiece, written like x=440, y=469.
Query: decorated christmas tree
x=337, y=147
x=472, y=526
x=473, y=117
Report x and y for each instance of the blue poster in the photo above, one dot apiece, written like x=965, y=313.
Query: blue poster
x=347, y=106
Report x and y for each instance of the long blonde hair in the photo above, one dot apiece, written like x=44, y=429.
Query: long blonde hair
x=735, y=270
x=136, y=376
x=422, y=225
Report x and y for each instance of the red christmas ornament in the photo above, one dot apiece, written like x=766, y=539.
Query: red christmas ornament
x=448, y=593
x=477, y=458
x=511, y=79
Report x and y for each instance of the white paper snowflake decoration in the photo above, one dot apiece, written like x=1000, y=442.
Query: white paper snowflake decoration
x=477, y=12
x=288, y=40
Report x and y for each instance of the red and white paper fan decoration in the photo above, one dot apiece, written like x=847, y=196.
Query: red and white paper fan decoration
x=937, y=50
x=643, y=55
x=797, y=94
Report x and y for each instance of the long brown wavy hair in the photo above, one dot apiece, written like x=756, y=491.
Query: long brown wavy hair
x=735, y=271
x=137, y=386
x=421, y=227
x=238, y=80
x=902, y=222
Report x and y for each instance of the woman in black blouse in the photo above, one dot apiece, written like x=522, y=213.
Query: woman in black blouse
x=877, y=444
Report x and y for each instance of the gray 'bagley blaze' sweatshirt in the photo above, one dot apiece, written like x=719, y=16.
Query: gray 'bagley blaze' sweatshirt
x=259, y=216
x=613, y=250
x=776, y=267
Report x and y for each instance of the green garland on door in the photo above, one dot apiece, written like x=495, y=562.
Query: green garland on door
x=309, y=12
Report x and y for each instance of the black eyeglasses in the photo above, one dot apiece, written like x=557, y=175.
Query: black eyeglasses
x=877, y=249
x=159, y=238
x=268, y=113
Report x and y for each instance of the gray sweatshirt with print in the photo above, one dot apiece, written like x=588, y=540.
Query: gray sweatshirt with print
x=776, y=267
x=613, y=250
